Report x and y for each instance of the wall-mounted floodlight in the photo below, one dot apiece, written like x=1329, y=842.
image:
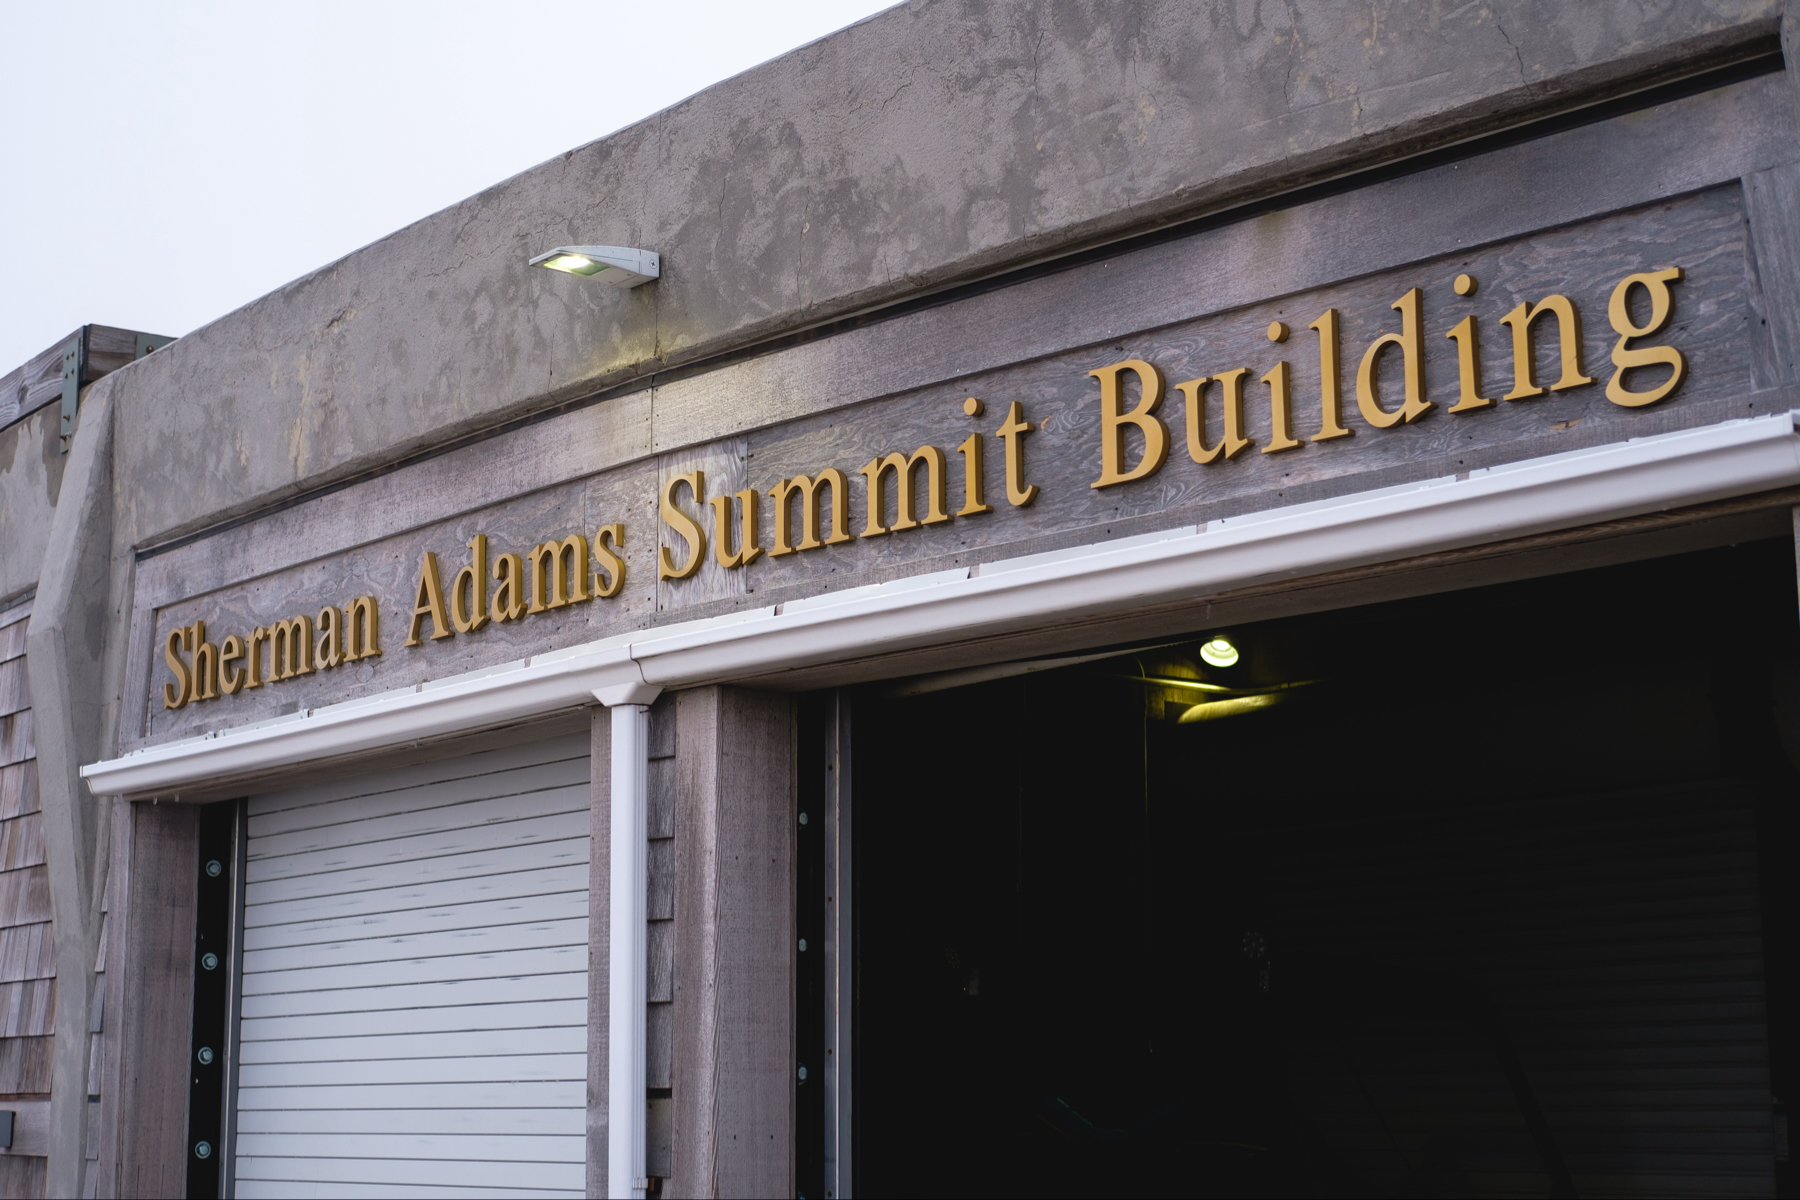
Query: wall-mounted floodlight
x=615, y=266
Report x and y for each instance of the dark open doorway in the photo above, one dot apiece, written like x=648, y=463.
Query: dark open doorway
x=1464, y=895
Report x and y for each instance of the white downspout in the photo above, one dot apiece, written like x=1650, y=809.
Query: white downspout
x=626, y=1105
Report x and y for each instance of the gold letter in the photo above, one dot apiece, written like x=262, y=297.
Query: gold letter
x=475, y=616
x=747, y=551
x=253, y=668
x=176, y=694
x=809, y=511
x=903, y=468
x=684, y=526
x=362, y=633
x=508, y=603
x=1413, y=370
x=427, y=601
x=612, y=564
x=1657, y=284
x=973, y=480
x=1331, y=409
x=230, y=678
x=1234, y=441
x=1568, y=332
x=1018, y=492
x=1280, y=433
x=290, y=647
x=331, y=638
x=206, y=663
x=1113, y=422
x=551, y=557
x=1468, y=367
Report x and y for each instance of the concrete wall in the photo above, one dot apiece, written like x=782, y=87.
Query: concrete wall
x=931, y=144
x=31, y=471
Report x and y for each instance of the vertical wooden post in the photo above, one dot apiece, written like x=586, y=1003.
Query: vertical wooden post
x=733, y=1086
x=156, y=1001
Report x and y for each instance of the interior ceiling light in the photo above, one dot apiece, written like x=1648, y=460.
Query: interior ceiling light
x=1214, y=710
x=615, y=266
x=1219, y=652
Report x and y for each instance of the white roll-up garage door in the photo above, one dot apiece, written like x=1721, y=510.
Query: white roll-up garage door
x=415, y=981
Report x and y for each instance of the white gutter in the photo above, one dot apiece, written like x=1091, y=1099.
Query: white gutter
x=1555, y=492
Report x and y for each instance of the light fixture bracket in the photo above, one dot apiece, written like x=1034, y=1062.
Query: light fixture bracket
x=615, y=266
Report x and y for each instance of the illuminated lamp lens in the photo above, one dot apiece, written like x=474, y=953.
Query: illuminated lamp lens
x=1219, y=653
x=574, y=264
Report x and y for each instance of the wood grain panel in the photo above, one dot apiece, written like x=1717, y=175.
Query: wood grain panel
x=25, y=895
x=732, y=1077
x=19, y=789
x=156, y=997
x=15, y=686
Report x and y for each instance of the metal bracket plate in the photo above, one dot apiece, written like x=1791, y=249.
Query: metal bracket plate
x=74, y=361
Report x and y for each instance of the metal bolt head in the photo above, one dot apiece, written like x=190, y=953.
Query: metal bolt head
x=802, y=1072
x=202, y=1149
x=803, y=945
x=213, y=867
x=205, y=1055
x=209, y=960
x=803, y=818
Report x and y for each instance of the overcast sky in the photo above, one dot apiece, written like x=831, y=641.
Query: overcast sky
x=164, y=163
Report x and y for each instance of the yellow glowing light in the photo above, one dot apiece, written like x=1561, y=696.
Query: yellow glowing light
x=1219, y=653
x=574, y=264
x=1213, y=710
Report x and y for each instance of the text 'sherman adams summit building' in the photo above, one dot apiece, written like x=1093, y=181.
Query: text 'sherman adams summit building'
x=1120, y=599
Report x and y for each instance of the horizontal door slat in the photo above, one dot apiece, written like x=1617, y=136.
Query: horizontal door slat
x=568, y=1039
x=446, y=918
x=556, y=1093
x=488, y=967
x=565, y=1122
x=450, y=993
x=478, y=939
x=505, y=758
x=471, y=866
x=442, y=843
x=491, y=1147
x=278, y=830
x=536, y=1014
x=567, y=879
x=415, y=1171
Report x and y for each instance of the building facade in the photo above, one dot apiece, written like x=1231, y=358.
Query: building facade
x=1157, y=599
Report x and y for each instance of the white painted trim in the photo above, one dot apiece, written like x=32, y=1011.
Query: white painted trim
x=627, y=1019
x=1554, y=492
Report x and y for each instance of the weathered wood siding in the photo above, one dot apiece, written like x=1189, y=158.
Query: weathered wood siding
x=27, y=945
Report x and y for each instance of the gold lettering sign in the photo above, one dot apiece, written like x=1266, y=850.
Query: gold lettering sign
x=812, y=511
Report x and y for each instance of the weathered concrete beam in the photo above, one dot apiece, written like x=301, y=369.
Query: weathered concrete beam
x=934, y=143
x=66, y=657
